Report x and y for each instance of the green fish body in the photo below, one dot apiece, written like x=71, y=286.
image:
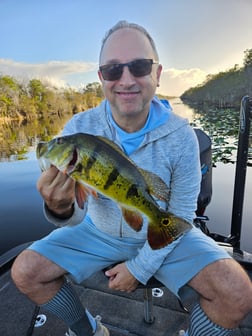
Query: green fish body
x=96, y=162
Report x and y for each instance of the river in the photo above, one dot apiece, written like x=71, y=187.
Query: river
x=219, y=210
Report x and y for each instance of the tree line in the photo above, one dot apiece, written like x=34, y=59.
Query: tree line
x=36, y=100
x=224, y=89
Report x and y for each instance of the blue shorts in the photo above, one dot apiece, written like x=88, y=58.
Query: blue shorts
x=83, y=250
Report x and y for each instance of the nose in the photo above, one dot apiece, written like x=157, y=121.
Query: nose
x=126, y=77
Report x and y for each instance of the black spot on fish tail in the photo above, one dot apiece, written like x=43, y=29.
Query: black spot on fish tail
x=166, y=230
x=111, y=179
x=132, y=191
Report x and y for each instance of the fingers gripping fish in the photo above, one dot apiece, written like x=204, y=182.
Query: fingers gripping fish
x=101, y=166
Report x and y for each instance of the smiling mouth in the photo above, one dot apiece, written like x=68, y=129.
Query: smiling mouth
x=127, y=92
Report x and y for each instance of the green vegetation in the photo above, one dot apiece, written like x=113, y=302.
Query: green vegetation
x=224, y=89
x=32, y=112
x=222, y=126
x=35, y=100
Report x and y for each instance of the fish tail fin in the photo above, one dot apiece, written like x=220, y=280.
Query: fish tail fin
x=167, y=230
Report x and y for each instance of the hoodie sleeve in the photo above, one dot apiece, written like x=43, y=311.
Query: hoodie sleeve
x=148, y=261
x=75, y=219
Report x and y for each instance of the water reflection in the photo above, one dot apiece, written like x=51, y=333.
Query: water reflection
x=219, y=210
x=19, y=137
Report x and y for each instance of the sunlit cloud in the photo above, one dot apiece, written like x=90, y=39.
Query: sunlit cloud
x=174, y=81
x=72, y=73
x=53, y=72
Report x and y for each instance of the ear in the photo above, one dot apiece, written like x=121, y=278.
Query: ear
x=100, y=75
x=159, y=70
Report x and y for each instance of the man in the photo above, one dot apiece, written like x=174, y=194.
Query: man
x=156, y=140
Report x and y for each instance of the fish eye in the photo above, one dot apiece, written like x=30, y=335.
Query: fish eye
x=166, y=221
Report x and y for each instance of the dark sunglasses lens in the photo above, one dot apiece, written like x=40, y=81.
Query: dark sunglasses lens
x=141, y=68
x=138, y=68
x=111, y=72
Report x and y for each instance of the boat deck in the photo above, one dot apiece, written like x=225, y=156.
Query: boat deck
x=122, y=313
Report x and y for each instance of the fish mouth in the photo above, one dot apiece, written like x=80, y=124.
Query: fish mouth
x=44, y=163
x=41, y=149
x=73, y=162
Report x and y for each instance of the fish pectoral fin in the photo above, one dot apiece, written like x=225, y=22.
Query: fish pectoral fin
x=82, y=192
x=133, y=218
x=161, y=234
x=157, y=187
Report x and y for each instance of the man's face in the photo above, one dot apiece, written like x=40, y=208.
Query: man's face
x=129, y=95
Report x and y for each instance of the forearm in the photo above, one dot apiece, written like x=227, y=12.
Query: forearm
x=148, y=261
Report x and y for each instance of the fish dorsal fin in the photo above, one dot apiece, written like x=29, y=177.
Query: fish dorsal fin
x=111, y=144
x=133, y=218
x=157, y=187
x=117, y=148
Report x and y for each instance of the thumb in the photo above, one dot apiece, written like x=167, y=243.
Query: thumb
x=111, y=272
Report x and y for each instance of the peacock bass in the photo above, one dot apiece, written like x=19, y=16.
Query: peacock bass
x=99, y=164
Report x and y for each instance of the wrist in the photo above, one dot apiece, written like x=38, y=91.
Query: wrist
x=61, y=214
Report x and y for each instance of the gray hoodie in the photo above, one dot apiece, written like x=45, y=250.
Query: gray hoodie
x=170, y=151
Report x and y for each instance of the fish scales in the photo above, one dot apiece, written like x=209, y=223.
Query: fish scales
x=113, y=174
x=100, y=164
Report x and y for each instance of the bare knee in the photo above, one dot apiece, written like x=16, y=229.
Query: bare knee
x=25, y=269
x=33, y=273
x=243, y=296
x=226, y=292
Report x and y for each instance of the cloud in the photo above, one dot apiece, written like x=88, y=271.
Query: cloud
x=72, y=73
x=54, y=72
x=174, y=81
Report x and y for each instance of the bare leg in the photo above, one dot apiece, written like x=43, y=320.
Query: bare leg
x=37, y=277
x=225, y=292
x=43, y=282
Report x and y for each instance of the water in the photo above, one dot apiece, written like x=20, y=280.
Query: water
x=219, y=210
x=224, y=139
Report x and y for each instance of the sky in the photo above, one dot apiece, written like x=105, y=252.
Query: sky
x=59, y=40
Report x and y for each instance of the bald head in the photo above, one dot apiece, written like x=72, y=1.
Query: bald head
x=129, y=26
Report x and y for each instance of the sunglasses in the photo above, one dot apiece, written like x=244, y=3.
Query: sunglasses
x=138, y=68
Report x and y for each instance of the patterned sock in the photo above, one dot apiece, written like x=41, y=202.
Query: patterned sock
x=200, y=325
x=67, y=306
